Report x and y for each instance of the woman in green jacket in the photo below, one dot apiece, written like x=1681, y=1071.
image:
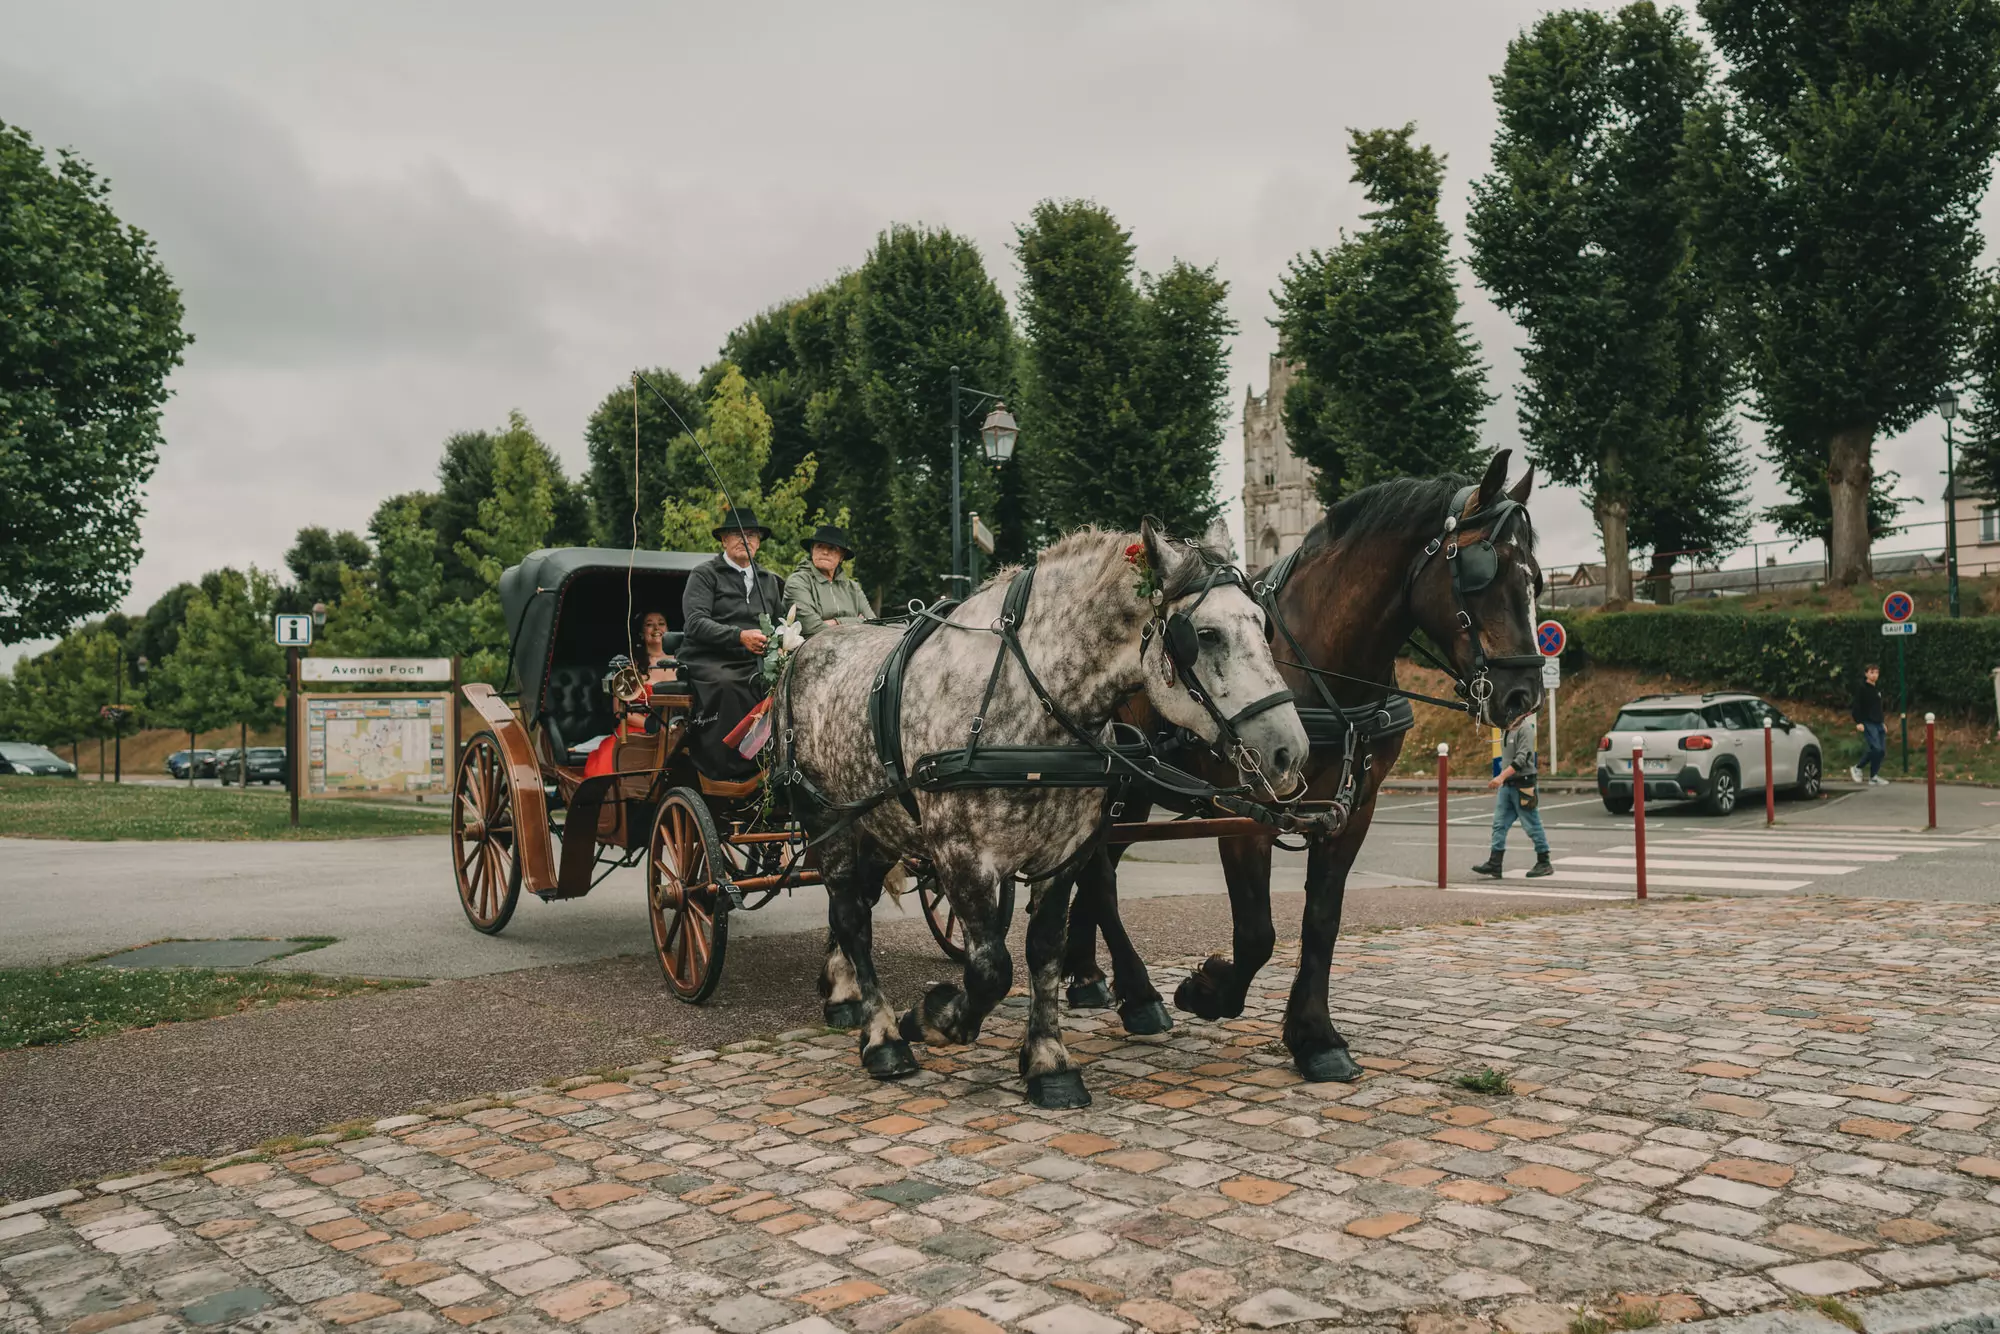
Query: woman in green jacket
x=823, y=595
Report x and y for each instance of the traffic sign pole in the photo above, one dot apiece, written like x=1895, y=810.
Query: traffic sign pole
x=1550, y=641
x=1897, y=609
x=1903, y=704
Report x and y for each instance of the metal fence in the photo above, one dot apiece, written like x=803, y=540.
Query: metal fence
x=1761, y=567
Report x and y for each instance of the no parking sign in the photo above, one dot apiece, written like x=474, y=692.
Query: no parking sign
x=1551, y=639
x=1898, y=607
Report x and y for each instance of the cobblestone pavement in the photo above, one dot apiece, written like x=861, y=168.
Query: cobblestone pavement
x=1716, y=1108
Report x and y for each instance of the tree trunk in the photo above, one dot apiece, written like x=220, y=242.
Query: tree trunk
x=1660, y=579
x=1849, y=478
x=100, y=759
x=1611, y=516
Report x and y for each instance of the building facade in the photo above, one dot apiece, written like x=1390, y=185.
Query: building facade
x=1279, y=497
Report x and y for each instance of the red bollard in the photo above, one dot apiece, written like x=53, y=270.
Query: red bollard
x=1639, y=812
x=1444, y=774
x=1770, y=781
x=1930, y=765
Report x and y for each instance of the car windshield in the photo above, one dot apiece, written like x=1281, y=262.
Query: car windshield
x=21, y=750
x=1658, y=720
x=266, y=753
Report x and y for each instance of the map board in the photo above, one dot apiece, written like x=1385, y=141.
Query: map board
x=372, y=745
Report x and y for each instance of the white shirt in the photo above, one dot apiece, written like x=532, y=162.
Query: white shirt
x=749, y=576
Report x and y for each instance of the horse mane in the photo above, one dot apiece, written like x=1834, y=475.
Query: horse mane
x=1401, y=506
x=1091, y=542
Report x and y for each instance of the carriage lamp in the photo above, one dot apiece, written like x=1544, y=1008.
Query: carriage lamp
x=319, y=614
x=997, y=434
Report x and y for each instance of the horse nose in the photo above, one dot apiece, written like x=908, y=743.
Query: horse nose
x=1282, y=759
x=1517, y=702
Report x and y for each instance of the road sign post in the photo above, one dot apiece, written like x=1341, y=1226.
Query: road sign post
x=1550, y=640
x=1897, y=609
x=294, y=634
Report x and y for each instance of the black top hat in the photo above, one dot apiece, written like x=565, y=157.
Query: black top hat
x=741, y=519
x=830, y=536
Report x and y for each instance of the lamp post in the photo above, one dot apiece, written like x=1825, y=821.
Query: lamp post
x=1947, y=406
x=119, y=714
x=996, y=438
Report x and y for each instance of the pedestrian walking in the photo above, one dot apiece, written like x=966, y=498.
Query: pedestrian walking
x=1517, y=801
x=1867, y=713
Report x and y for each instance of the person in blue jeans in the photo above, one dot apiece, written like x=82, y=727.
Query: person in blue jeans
x=1516, y=781
x=1867, y=714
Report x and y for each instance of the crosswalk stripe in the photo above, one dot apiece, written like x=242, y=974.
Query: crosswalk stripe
x=1811, y=844
x=1847, y=840
x=1685, y=881
x=1757, y=854
x=1538, y=893
x=1689, y=864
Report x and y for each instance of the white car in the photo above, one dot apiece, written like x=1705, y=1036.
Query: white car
x=1706, y=748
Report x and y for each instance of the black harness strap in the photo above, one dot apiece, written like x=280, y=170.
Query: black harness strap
x=885, y=701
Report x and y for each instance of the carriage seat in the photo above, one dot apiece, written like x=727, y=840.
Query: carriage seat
x=577, y=710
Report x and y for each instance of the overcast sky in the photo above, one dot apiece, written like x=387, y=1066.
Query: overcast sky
x=394, y=221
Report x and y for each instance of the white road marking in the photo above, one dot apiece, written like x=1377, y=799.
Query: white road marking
x=1685, y=881
x=1818, y=844
x=1538, y=893
x=1757, y=854
x=1678, y=864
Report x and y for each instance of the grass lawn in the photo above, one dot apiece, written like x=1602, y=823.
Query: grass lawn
x=43, y=1006
x=54, y=808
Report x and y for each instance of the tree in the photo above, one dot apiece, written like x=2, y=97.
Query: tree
x=1389, y=383
x=1583, y=234
x=608, y=439
x=1839, y=188
x=56, y=697
x=226, y=668
x=318, y=558
x=738, y=441
x=465, y=477
x=90, y=326
x=1979, y=427
x=1123, y=380
x=761, y=348
x=398, y=607
x=925, y=304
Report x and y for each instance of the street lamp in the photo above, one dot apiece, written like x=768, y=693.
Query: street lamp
x=1947, y=406
x=319, y=614
x=996, y=439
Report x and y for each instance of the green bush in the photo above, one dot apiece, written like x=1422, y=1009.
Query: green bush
x=1798, y=657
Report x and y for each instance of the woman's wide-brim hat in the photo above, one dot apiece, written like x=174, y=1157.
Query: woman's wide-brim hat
x=830, y=536
x=739, y=520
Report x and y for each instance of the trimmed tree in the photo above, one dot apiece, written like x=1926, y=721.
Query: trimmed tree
x=226, y=669
x=1582, y=234
x=1389, y=382
x=1979, y=427
x=398, y=606
x=1123, y=379
x=1839, y=189
x=90, y=326
x=614, y=507
x=515, y=519
x=317, y=560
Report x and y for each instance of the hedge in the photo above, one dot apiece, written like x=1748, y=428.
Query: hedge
x=1796, y=657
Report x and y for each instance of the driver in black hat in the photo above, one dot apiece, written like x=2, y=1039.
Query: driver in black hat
x=721, y=656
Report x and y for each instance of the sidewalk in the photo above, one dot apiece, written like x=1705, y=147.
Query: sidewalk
x=1715, y=1107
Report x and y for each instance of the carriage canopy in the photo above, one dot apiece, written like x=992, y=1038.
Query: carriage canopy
x=566, y=607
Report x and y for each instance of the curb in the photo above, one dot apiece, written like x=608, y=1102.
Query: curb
x=1957, y=1308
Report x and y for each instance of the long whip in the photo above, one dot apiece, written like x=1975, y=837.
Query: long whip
x=742, y=529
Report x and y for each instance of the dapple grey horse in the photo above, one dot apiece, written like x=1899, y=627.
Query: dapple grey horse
x=1092, y=641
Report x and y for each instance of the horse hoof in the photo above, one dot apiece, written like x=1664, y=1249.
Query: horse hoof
x=1196, y=998
x=1057, y=1090
x=1090, y=996
x=891, y=1060
x=844, y=1014
x=1145, y=1017
x=1332, y=1066
x=909, y=1027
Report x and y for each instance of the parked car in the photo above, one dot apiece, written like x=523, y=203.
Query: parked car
x=267, y=765
x=204, y=763
x=1707, y=748
x=21, y=757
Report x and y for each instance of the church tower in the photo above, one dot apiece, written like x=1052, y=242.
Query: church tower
x=1279, y=499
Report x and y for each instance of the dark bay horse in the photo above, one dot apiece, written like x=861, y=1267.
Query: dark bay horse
x=1445, y=555
x=1027, y=671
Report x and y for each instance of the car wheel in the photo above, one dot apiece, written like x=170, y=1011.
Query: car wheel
x=1722, y=791
x=1807, y=788
x=1618, y=805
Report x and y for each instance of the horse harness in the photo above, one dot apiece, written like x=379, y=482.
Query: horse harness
x=1114, y=765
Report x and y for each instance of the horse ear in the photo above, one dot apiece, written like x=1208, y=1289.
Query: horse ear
x=1217, y=542
x=1162, y=552
x=1518, y=493
x=1490, y=484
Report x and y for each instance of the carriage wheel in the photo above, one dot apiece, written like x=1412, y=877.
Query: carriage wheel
x=946, y=929
x=689, y=911
x=482, y=837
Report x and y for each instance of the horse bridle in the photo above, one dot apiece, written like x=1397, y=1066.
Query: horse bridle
x=1181, y=642
x=1473, y=566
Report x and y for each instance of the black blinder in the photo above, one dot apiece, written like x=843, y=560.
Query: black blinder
x=1478, y=565
x=1183, y=645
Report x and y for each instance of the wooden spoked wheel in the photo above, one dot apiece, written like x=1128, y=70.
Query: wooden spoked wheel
x=946, y=929
x=483, y=837
x=689, y=911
